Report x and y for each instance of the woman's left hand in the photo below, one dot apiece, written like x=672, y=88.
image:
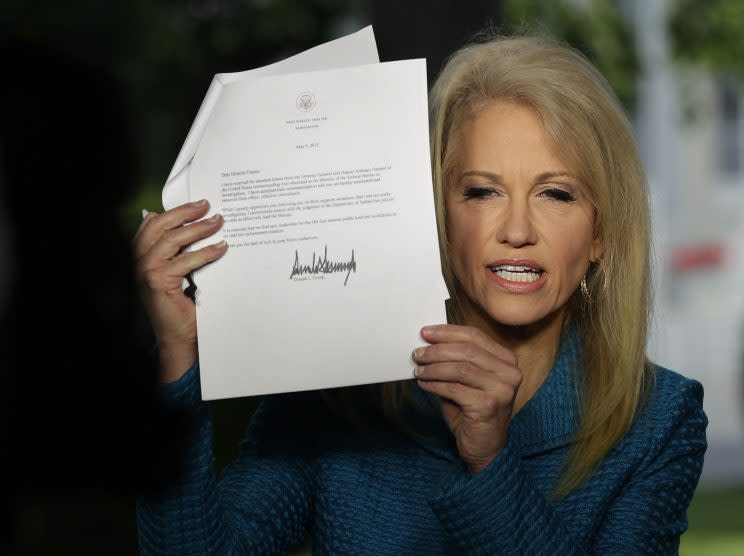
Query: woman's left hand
x=477, y=380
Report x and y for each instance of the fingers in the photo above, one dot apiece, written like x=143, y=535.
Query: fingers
x=466, y=364
x=476, y=403
x=444, y=333
x=154, y=225
x=454, y=352
x=169, y=277
x=188, y=262
x=172, y=241
x=462, y=372
x=465, y=352
x=146, y=215
x=476, y=361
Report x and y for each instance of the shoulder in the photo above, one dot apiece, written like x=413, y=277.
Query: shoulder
x=673, y=408
x=674, y=390
x=666, y=443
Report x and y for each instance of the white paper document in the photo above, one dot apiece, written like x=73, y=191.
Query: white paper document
x=324, y=181
x=352, y=50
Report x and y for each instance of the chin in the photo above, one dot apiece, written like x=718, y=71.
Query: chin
x=515, y=318
x=511, y=313
x=508, y=309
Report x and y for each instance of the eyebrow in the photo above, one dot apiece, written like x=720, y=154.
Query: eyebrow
x=545, y=176
x=551, y=175
x=489, y=175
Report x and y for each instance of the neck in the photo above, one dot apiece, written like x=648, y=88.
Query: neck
x=535, y=345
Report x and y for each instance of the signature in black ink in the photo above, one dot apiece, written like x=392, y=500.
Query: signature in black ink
x=323, y=266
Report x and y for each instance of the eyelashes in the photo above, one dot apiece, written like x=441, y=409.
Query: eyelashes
x=553, y=193
x=480, y=192
x=558, y=195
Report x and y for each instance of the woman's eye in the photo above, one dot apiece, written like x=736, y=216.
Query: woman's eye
x=480, y=192
x=558, y=195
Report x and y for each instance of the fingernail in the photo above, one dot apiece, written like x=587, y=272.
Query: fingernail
x=418, y=371
x=145, y=212
x=427, y=331
x=198, y=203
x=214, y=219
x=220, y=245
x=418, y=352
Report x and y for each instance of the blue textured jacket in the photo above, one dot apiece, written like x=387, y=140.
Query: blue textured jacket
x=301, y=470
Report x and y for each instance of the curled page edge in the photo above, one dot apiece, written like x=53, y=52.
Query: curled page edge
x=176, y=189
x=197, y=128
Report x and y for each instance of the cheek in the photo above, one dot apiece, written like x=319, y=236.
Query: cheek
x=464, y=241
x=572, y=249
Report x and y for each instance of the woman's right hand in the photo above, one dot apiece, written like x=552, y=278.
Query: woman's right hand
x=161, y=266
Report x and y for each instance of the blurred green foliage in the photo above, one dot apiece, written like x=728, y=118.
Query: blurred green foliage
x=716, y=523
x=709, y=33
x=594, y=27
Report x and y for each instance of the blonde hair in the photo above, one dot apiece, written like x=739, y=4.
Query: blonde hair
x=588, y=128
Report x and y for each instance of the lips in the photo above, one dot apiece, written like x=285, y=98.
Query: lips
x=517, y=276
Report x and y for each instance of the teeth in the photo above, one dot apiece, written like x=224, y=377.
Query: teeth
x=513, y=268
x=529, y=276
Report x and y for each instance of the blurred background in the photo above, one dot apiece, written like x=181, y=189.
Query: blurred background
x=98, y=99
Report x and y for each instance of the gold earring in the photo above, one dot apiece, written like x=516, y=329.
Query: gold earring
x=604, y=275
x=585, y=290
x=585, y=287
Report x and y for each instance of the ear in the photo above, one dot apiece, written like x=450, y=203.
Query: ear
x=596, y=251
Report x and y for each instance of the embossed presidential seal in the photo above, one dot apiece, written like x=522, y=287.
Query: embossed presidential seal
x=306, y=101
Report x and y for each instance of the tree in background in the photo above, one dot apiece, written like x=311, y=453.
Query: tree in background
x=595, y=27
x=710, y=34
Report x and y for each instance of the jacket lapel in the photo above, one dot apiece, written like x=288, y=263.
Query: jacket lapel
x=550, y=418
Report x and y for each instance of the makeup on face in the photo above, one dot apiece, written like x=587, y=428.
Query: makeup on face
x=520, y=228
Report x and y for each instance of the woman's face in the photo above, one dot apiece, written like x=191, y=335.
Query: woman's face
x=520, y=227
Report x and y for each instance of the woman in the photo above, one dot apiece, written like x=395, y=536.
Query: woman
x=536, y=424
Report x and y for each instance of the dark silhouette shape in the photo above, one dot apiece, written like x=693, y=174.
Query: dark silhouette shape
x=79, y=403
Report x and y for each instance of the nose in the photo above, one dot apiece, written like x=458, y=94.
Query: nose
x=516, y=227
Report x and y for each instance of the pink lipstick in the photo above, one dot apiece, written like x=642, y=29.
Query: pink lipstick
x=516, y=276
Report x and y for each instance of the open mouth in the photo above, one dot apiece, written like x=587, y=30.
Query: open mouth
x=517, y=273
